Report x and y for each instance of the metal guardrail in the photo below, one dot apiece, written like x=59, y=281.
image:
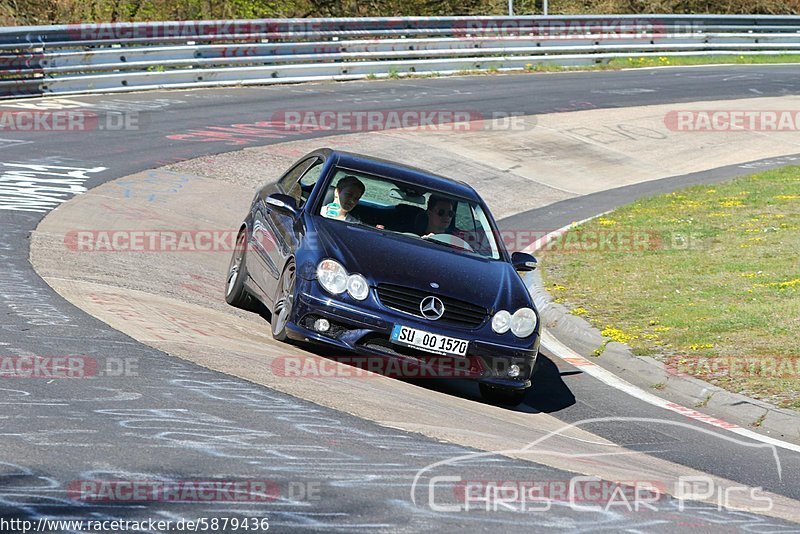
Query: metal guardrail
x=85, y=58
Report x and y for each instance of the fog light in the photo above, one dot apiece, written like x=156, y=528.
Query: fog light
x=513, y=371
x=322, y=325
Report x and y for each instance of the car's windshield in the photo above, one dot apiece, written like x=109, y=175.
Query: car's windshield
x=411, y=210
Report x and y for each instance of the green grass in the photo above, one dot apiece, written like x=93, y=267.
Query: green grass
x=614, y=64
x=707, y=279
x=666, y=60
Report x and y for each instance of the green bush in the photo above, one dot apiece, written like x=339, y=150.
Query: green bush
x=21, y=12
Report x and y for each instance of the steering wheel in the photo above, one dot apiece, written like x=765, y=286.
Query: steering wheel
x=452, y=240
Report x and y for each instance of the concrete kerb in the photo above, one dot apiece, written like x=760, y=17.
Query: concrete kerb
x=651, y=374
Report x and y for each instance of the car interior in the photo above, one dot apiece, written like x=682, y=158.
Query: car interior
x=402, y=208
x=399, y=218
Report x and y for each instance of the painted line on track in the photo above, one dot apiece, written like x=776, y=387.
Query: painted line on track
x=566, y=354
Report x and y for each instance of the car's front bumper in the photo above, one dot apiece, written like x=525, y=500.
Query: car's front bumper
x=367, y=332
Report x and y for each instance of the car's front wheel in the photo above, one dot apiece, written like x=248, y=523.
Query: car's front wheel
x=284, y=302
x=504, y=397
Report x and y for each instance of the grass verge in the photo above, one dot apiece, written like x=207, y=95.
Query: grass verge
x=614, y=64
x=706, y=279
x=664, y=61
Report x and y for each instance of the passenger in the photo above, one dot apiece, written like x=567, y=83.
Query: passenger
x=345, y=198
x=440, y=214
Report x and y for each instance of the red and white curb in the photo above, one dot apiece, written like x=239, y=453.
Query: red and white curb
x=563, y=352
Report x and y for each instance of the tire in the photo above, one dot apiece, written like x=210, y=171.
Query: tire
x=235, y=293
x=504, y=397
x=284, y=302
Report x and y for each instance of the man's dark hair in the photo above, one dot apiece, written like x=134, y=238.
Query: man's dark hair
x=350, y=180
x=435, y=199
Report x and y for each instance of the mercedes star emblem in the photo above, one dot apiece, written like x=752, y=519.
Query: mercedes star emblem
x=432, y=308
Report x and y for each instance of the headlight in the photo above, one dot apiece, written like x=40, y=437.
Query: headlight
x=357, y=286
x=523, y=322
x=501, y=322
x=332, y=276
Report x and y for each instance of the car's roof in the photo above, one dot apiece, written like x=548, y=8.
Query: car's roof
x=405, y=173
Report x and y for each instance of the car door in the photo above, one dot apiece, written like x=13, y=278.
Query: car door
x=284, y=228
x=263, y=238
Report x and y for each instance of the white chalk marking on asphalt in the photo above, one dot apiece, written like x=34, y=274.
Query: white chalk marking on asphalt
x=605, y=376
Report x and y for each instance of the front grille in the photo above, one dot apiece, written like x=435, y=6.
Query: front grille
x=456, y=312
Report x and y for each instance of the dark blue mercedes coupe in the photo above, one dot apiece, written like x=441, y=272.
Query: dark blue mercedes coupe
x=391, y=262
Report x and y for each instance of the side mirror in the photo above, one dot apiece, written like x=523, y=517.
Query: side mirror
x=283, y=203
x=523, y=261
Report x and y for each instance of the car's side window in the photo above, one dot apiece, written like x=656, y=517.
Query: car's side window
x=309, y=180
x=290, y=178
x=300, y=189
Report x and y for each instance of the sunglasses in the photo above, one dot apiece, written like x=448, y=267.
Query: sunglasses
x=449, y=213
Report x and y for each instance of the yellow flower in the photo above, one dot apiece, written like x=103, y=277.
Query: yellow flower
x=579, y=311
x=617, y=335
x=783, y=285
x=701, y=346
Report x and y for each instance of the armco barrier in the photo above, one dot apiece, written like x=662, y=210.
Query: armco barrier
x=85, y=58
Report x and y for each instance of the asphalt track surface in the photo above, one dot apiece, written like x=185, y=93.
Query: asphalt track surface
x=178, y=421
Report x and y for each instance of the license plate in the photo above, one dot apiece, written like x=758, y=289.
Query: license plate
x=427, y=341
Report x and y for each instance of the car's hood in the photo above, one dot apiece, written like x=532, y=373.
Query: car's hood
x=385, y=258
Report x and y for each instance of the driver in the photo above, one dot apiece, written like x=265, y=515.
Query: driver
x=440, y=215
